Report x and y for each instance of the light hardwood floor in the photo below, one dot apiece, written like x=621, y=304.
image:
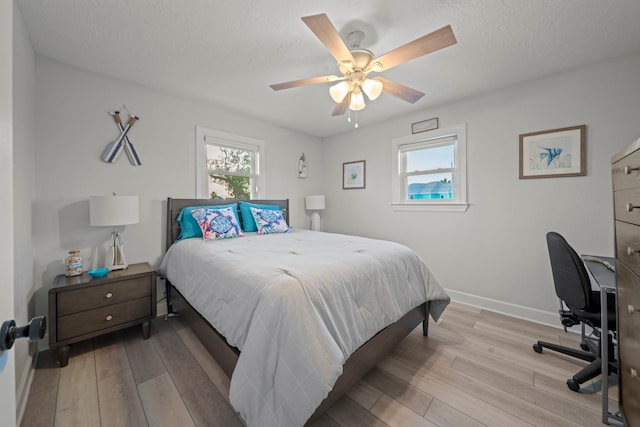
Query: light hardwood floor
x=476, y=368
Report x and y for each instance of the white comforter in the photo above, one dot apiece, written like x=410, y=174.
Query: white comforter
x=297, y=305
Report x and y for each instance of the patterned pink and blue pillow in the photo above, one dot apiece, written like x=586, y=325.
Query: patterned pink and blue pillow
x=217, y=224
x=269, y=221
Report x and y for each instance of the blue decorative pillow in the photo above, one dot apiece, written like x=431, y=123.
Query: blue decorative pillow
x=269, y=221
x=188, y=225
x=248, y=223
x=217, y=224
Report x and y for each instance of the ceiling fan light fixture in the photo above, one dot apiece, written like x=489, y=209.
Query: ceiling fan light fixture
x=339, y=91
x=357, y=100
x=372, y=87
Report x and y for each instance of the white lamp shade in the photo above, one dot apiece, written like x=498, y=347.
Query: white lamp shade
x=314, y=203
x=339, y=91
x=357, y=100
x=373, y=88
x=113, y=210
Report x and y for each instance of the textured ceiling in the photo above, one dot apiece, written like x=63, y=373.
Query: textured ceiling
x=226, y=53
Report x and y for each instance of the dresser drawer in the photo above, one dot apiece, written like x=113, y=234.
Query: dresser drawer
x=85, y=322
x=88, y=298
x=628, y=290
x=622, y=174
x=630, y=382
x=627, y=205
x=628, y=245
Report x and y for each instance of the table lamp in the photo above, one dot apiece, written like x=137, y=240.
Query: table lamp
x=314, y=203
x=114, y=211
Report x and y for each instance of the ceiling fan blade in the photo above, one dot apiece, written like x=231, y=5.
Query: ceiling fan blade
x=436, y=40
x=329, y=36
x=304, y=82
x=341, y=108
x=400, y=91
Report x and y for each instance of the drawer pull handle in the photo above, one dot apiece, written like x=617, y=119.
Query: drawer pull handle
x=631, y=251
x=633, y=372
x=631, y=309
x=631, y=207
x=629, y=169
x=109, y=295
x=109, y=317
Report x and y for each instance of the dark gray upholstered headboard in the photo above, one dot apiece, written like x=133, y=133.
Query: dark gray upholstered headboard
x=174, y=206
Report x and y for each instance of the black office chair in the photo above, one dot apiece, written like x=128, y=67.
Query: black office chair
x=573, y=287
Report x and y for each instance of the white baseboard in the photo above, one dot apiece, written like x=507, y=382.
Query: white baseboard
x=24, y=387
x=549, y=318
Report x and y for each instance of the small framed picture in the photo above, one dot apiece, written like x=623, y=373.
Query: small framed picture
x=353, y=175
x=553, y=153
x=424, y=125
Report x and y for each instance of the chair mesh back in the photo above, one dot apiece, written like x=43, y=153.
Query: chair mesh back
x=569, y=273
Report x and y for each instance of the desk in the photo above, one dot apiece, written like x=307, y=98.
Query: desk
x=606, y=280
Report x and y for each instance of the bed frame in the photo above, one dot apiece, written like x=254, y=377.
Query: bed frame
x=358, y=364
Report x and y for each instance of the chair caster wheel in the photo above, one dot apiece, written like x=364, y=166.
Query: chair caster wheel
x=537, y=348
x=584, y=347
x=573, y=385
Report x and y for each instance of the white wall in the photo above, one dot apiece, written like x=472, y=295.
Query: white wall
x=495, y=255
x=24, y=195
x=73, y=129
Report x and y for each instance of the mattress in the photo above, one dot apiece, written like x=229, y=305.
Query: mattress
x=297, y=305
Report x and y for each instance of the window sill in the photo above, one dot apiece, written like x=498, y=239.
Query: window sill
x=431, y=207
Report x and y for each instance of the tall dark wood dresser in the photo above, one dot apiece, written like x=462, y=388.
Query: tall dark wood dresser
x=626, y=186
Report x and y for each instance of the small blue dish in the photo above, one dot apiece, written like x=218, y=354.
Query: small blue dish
x=98, y=272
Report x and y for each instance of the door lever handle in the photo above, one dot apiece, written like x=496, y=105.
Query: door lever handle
x=34, y=330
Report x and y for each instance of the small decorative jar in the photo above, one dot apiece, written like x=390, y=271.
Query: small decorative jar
x=73, y=263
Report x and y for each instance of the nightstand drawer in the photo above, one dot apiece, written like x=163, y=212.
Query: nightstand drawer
x=88, y=298
x=84, y=322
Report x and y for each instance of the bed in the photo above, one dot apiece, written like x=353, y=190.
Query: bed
x=305, y=340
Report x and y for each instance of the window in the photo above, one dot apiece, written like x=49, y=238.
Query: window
x=228, y=166
x=429, y=171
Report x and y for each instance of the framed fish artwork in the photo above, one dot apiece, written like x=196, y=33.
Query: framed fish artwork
x=553, y=153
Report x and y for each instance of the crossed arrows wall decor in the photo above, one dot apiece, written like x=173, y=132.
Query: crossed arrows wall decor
x=114, y=148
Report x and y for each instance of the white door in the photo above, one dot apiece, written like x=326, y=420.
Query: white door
x=7, y=369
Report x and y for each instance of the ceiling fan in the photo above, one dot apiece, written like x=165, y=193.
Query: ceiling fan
x=355, y=64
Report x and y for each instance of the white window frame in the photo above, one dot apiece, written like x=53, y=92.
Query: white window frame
x=206, y=137
x=434, y=138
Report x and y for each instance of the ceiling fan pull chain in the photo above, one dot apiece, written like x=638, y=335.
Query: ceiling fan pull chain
x=349, y=116
x=356, y=125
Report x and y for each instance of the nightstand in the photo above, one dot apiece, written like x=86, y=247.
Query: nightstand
x=82, y=307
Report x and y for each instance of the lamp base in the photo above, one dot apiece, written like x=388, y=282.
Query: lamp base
x=315, y=221
x=115, y=260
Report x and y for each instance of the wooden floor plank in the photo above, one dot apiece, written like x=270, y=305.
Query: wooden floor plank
x=556, y=412
x=143, y=357
x=346, y=412
x=120, y=403
x=40, y=410
x=406, y=394
x=208, y=408
x=110, y=355
x=444, y=415
x=182, y=366
x=452, y=395
x=77, y=403
x=395, y=414
x=364, y=394
x=162, y=403
x=211, y=368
